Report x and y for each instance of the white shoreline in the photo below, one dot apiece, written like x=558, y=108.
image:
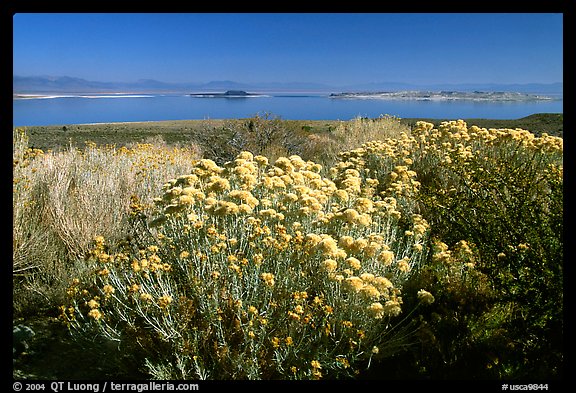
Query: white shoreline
x=121, y=122
x=443, y=96
x=44, y=97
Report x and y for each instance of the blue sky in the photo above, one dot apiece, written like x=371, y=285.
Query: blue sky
x=334, y=49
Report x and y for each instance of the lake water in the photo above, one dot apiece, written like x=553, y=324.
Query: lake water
x=81, y=110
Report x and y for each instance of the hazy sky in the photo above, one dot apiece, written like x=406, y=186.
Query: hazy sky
x=335, y=49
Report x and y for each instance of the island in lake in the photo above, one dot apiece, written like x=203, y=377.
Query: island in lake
x=444, y=96
x=228, y=94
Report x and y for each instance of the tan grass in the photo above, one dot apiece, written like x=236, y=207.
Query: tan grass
x=348, y=135
x=62, y=200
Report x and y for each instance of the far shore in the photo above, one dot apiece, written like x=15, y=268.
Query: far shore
x=30, y=96
x=77, y=95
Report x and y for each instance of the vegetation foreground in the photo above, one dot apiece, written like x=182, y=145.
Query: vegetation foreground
x=367, y=250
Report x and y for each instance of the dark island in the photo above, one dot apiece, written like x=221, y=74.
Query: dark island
x=228, y=94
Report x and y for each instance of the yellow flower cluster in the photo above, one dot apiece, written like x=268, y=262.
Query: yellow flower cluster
x=425, y=297
x=164, y=301
x=268, y=279
x=456, y=145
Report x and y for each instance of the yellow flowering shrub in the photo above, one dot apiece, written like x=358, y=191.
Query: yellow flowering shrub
x=257, y=270
x=500, y=190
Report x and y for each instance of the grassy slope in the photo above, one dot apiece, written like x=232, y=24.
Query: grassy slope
x=550, y=123
x=182, y=131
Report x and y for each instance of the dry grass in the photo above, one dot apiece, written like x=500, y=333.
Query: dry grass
x=61, y=201
x=324, y=147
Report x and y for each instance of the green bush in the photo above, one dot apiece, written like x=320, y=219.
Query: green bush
x=264, y=134
x=501, y=191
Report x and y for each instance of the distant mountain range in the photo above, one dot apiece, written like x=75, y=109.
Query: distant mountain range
x=66, y=84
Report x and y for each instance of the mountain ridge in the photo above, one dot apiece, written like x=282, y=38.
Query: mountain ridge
x=67, y=84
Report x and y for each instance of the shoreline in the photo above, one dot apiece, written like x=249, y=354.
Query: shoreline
x=53, y=96
x=403, y=95
x=219, y=120
x=112, y=123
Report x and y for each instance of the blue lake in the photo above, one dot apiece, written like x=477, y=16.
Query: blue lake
x=81, y=110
